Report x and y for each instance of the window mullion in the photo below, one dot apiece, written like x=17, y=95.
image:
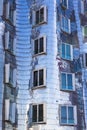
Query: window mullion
x=38, y=77
x=37, y=113
x=67, y=114
x=66, y=81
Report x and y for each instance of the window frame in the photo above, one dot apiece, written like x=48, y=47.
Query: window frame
x=63, y=24
x=74, y=115
x=71, y=52
x=73, y=82
x=44, y=46
x=44, y=19
x=44, y=113
x=44, y=78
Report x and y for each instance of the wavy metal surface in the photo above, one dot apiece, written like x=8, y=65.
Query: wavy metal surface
x=23, y=61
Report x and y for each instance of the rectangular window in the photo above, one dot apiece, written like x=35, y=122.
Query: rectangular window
x=67, y=51
x=38, y=113
x=85, y=31
x=85, y=60
x=11, y=13
x=11, y=75
x=39, y=16
x=68, y=115
x=39, y=78
x=10, y=45
x=65, y=4
x=65, y=24
x=67, y=81
x=40, y=45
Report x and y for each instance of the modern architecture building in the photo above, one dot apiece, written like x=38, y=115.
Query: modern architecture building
x=43, y=63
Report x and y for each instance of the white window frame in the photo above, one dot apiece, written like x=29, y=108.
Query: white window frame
x=63, y=18
x=66, y=7
x=44, y=80
x=44, y=46
x=83, y=29
x=73, y=82
x=34, y=16
x=44, y=113
x=74, y=112
x=71, y=51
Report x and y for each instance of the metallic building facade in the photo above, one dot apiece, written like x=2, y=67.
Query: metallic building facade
x=43, y=64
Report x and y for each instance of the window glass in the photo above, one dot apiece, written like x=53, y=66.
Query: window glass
x=36, y=47
x=37, y=17
x=41, y=77
x=41, y=14
x=41, y=47
x=85, y=30
x=70, y=115
x=69, y=81
x=63, y=114
x=11, y=75
x=86, y=59
x=63, y=81
x=68, y=52
x=35, y=78
x=40, y=116
x=34, y=114
x=63, y=50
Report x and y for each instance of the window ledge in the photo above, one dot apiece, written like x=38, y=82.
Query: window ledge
x=72, y=124
x=42, y=53
x=35, y=123
x=42, y=23
x=37, y=87
x=67, y=90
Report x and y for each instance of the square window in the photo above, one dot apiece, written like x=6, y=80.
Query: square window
x=65, y=24
x=40, y=45
x=67, y=82
x=66, y=51
x=39, y=78
x=67, y=115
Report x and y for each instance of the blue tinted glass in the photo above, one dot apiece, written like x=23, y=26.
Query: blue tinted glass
x=68, y=52
x=63, y=50
x=66, y=24
x=63, y=114
x=69, y=82
x=70, y=115
x=63, y=77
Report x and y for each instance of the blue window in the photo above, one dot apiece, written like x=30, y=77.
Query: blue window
x=67, y=81
x=67, y=115
x=65, y=24
x=66, y=51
